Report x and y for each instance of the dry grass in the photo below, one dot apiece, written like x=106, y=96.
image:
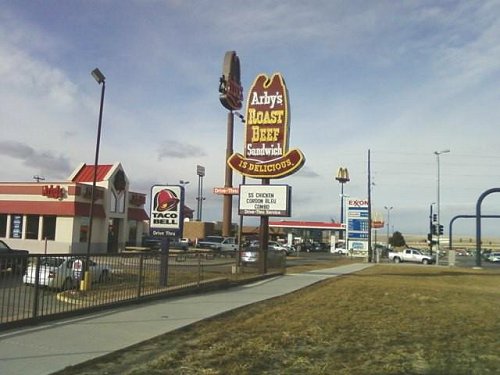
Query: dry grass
x=385, y=320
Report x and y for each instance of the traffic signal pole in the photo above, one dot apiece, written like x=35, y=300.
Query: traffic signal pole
x=431, y=231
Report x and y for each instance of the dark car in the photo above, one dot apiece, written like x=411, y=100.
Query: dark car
x=154, y=243
x=15, y=260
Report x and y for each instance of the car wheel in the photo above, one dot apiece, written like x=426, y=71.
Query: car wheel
x=425, y=261
x=104, y=276
x=397, y=260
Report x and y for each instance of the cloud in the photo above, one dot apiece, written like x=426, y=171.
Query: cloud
x=37, y=160
x=174, y=149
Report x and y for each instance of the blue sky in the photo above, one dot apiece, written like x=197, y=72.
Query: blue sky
x=400, y=78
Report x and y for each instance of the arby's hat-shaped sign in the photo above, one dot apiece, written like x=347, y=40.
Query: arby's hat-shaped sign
x=267, y=127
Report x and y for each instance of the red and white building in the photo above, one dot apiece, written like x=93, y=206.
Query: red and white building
x=53, y=217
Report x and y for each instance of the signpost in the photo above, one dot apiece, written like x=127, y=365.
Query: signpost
x=167, y=219
x=357, y=227
x=269, y=200
x=226, y=190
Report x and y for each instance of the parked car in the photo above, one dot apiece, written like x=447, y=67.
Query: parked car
x=315, y=246
x=411, y=255
x=494, y=257
x=15, y=260
x=290, y=249
x=64, y=273
x=154, y=243
x=276, y=246
x=219, y=243
x=341, y=251
x=340, y=248
x=250, y=255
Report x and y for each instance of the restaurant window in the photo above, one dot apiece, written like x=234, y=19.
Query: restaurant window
x=49, y=228
x=117, y=202
x=32, y=224
x=3, y=225
x=16, y=226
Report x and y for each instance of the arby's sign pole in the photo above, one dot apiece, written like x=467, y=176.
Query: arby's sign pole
x=231, y=97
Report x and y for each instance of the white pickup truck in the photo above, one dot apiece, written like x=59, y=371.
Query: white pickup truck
x=219, y=243
x=411, y=255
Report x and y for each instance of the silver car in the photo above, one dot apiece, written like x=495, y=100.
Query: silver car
x=250, y=255
x=64, y=273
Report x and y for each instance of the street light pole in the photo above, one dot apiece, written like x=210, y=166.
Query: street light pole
x=438, y=153
x=388, y=221
x=100, y=79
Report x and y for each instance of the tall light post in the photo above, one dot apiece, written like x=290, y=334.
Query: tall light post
x=388, y=209
x=342, y=177
x=438, y=224
x=100, y=79
x=200, y=171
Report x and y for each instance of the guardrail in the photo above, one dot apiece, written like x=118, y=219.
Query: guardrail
x=51, y=286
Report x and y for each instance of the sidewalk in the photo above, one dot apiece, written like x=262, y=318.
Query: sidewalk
x=52, y=346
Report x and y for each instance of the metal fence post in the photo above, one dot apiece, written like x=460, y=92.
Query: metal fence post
x=37, y=289
x=141, y=273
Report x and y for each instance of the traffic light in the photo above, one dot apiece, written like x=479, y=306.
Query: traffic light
x=441, y=229
x=434, y=229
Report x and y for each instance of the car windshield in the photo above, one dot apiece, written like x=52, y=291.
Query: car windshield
x=3, y=246
x=51, y=262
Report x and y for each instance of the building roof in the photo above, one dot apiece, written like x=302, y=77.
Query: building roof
x=86, y=173
x=305, y=224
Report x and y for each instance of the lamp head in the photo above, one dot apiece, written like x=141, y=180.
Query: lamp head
x=441, y=152
x=98, y=76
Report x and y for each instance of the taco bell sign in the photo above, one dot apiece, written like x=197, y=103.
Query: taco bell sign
x=167, y=214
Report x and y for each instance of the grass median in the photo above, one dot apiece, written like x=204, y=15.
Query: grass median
x=388, y=319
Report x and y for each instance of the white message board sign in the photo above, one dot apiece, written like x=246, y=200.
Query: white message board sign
x=265, y=200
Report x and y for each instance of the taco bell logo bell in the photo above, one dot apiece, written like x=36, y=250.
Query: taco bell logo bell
x=166, y=200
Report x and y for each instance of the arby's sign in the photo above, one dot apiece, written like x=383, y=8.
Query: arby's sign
x=266, y=153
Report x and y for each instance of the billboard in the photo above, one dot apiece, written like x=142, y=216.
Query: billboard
x=357, y=226
x=265, y=200
x=266, y=153
x=167, y=214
